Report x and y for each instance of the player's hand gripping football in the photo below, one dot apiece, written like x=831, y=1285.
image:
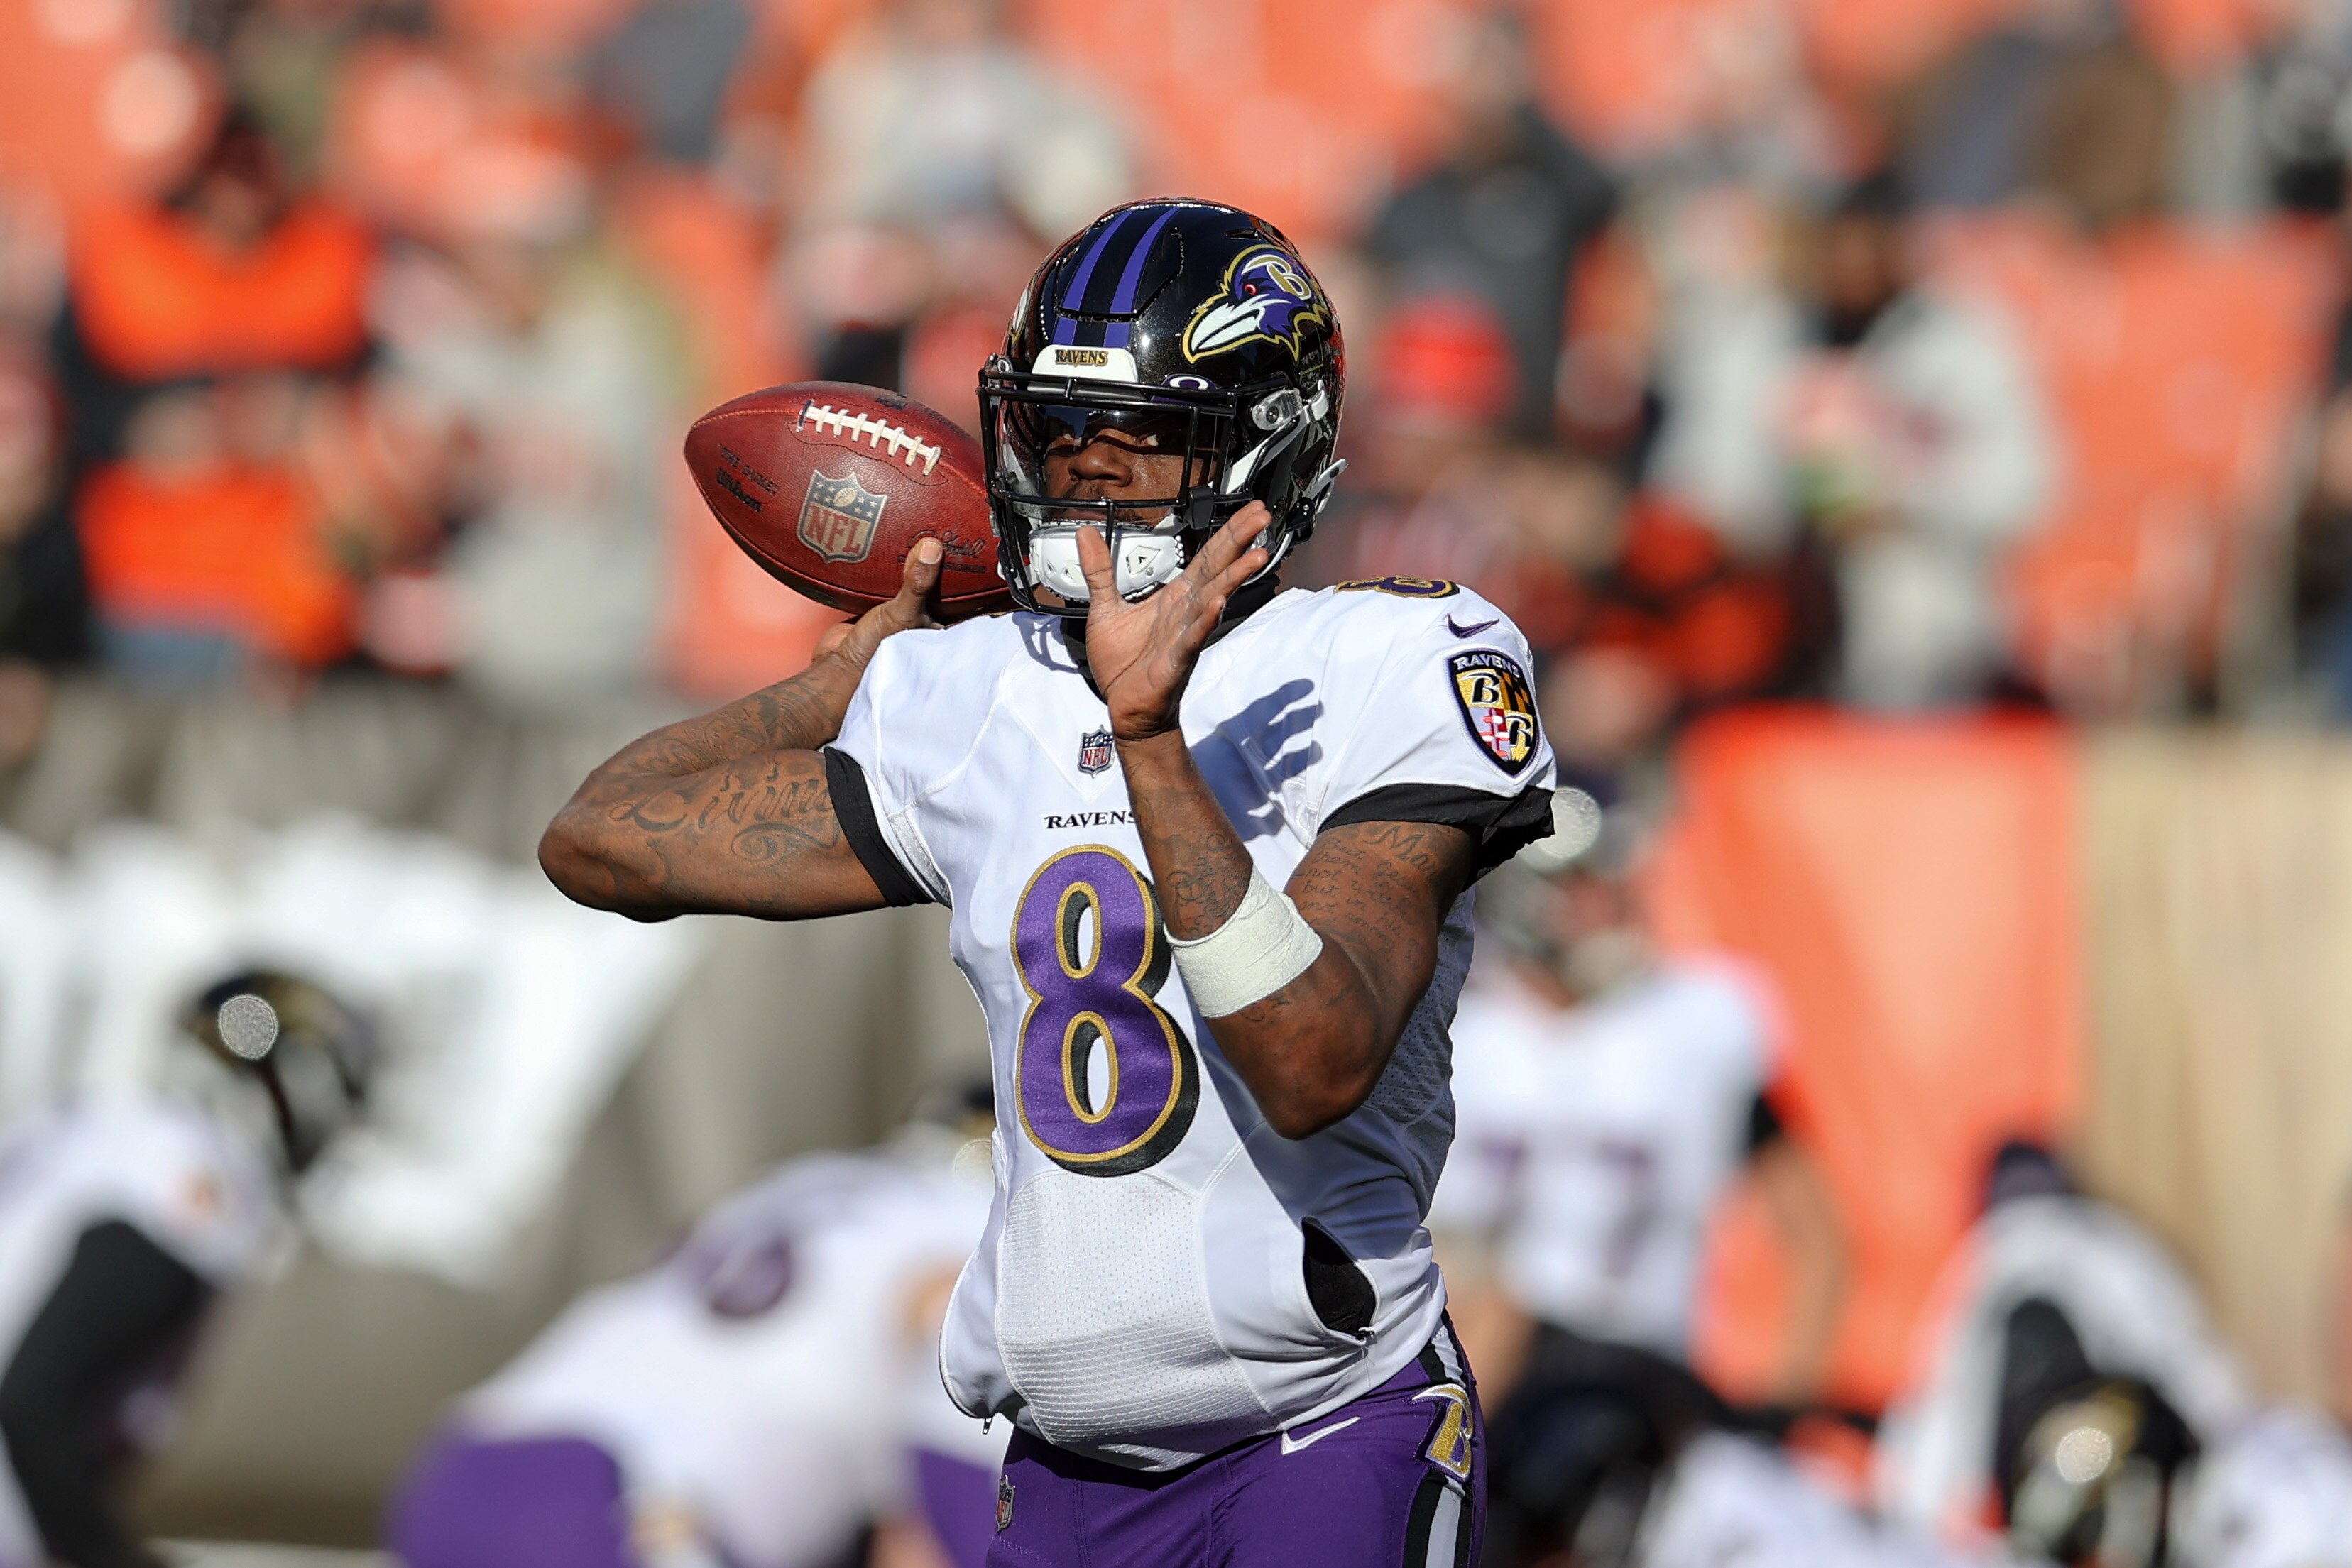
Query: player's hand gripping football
x=1143, y=653
x=855, y=641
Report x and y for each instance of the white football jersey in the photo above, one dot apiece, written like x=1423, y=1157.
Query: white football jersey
x=758, y=1380
x=196, y=1190
x=1596, y=1143
x=2275, y=1493
x=1733, y=1502
x=1141, y=1292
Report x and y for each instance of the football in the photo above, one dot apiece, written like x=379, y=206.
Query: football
x=828, y=486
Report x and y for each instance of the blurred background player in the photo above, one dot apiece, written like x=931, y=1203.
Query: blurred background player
x=1609, y=1098
x=768, y=1398
x=121, y=1218
x=2065, y=1385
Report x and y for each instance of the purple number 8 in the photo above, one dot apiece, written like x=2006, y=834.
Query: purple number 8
x=1097, y=996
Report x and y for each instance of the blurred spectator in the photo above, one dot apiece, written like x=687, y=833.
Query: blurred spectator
x=933, y=151
x=934, y=110
x=2104, y=144
x=1607, y=1099
x=40, y=568
x=758, y=1400
x=1644, y=616
x=540, y=365
x=664, y=74
x=1899, y=426
x=125, y=1217
x=2322, y=573
x=1972, y=127
x=196, y=333
x=1504, y=213
x=1424, y=495
x=1675, y=625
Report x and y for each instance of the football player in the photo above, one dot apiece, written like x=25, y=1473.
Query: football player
x=1208, y=846
x=122, y=1218
x=755, y=1401
x=2067, y=1373
x=1609, y=1098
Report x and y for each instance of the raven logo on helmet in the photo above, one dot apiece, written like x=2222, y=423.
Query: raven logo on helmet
x=1268, y=299
x=1188, y=331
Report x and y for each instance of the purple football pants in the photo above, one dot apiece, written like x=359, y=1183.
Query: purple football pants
x=959, y=1504
x=1394, y=1478
x=543, y=1502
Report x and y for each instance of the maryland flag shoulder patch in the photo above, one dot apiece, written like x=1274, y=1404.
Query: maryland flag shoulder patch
x=1498, y=704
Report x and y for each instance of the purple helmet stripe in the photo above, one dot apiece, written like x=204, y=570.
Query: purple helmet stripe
x=1066, y=329
x=1124, y=300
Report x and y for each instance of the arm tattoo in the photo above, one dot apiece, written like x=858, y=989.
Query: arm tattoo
x=727, y=812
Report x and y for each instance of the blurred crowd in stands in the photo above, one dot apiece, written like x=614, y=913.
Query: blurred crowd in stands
x=1912, y=357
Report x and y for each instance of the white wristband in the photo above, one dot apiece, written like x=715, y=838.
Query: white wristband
x=1263, y=945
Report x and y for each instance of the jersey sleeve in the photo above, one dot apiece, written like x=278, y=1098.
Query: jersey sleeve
x=1448, y=732
x=874, y=791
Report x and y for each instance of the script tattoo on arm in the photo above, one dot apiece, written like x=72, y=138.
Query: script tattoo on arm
x=727, y=813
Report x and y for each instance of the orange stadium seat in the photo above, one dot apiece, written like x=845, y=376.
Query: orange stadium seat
x=559, y=26
x=2196, y=36
x=2178, y=363
x=1299, y=111
x=1634, y=78
x=1911, y=889
x=1631, y=79
x=95, y=100
x=1869, y=43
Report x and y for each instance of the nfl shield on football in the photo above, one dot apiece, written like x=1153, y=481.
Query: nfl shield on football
x=828, y=486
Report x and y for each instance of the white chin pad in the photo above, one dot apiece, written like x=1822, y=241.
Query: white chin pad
x=1145, y=561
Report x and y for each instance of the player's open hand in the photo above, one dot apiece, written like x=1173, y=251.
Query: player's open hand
x=1143, y=653
x=856, y=640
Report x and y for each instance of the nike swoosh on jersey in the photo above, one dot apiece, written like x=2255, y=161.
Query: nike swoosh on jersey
x=1291, y=1445
x=1470, y=631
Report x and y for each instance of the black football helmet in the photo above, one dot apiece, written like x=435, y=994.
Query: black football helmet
x=1188, y=326
x=312, y=1056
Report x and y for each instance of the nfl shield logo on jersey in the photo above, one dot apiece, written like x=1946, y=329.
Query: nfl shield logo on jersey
x=837, y=517
x=1005, y=1502
x=1094, y=751
x=1498, y=705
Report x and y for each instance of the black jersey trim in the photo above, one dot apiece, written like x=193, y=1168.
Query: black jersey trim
x=1501, y=825
x=853, y=807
